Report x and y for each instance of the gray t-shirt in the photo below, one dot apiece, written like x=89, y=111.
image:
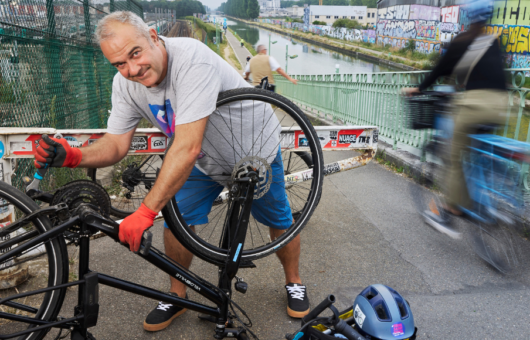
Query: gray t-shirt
x=195, y=77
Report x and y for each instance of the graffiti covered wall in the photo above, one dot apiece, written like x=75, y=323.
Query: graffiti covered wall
x=399, y=24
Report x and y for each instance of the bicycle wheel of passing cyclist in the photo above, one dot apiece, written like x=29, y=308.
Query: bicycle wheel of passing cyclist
x=128, y=182
x=39, y=267
x=267, y=132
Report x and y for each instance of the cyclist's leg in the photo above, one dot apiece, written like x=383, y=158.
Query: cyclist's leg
x=477, y=107
x=274, y=211
x=194, y=200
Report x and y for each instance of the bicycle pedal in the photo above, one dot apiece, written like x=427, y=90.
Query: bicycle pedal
x=241, y=286
x=207, y=317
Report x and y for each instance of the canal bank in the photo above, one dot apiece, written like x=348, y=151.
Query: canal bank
x=346, y=48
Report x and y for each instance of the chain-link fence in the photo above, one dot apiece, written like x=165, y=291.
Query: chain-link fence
x=52, y=74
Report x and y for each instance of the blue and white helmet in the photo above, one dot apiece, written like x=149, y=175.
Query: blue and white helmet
x=478, y=10
x=382, y=313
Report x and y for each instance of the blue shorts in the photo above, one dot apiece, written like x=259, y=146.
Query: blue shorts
x=196, y=197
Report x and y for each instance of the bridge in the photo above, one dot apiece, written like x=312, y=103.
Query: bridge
x=364, y=231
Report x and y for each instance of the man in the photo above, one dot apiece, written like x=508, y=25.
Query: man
x=242, y=42
x=262, y=66
x=174, y=83
x=476, y=60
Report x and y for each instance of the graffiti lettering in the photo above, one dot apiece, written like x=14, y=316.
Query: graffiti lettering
x=450, y=14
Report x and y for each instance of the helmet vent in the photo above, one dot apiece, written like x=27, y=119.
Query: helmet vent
x=378, y=303
x=382, y=313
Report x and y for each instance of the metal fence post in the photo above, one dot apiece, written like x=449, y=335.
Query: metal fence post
x=53, y=57
x=89, y=63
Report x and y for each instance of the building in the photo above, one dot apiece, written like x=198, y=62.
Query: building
x=269, y=4
x=295, y=11
x=371, y=16
x=329, y=14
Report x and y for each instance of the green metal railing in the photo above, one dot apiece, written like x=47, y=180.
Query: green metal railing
x=374, y=99
x=52, y=74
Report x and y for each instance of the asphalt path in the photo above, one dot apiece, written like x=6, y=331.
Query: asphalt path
x=364, y=231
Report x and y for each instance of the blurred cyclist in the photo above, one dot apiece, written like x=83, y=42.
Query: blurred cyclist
x=476, y=61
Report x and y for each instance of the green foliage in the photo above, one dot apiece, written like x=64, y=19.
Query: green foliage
x=316, y=22
x=7, y=94
x=348, y=23
x=253, y=9
x=183, y=7
x=10, y=94
x=236, y=8
x=367, y=3
x=210, y=30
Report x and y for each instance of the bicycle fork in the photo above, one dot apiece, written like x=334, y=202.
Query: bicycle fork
x=235, y=231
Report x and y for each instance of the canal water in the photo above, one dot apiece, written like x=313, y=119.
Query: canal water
x=311, y=59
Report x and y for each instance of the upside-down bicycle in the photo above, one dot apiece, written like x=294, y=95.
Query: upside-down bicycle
x=33, y=236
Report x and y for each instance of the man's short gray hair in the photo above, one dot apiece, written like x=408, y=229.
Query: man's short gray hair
x=260, y=48
x=104, y=30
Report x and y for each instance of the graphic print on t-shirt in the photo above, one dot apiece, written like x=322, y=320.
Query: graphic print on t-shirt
x=165, y=116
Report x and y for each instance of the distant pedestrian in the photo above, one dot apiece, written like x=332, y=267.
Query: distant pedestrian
x=242, y=42
x=248, y=58
x=262, y=65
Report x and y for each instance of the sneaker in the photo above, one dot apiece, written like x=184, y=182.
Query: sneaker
x=297, y=301
x=162, y=315
x=441, y=224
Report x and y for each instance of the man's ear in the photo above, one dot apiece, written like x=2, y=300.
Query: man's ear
x=154, y=36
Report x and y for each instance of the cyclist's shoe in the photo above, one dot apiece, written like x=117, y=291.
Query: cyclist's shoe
x=442, y=225
x=297, y=300
x=162, y=315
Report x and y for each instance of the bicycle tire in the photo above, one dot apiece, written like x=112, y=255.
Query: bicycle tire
x=130, y=170
x=57, y=264
x=213, y=253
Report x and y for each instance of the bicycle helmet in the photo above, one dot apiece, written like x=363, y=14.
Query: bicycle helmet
x=382, y=313
x=478, y=10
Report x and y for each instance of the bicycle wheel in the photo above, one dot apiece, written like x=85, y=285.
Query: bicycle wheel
x=258, y=111
x=128, y=182
x=42, y=266
x=495, y=245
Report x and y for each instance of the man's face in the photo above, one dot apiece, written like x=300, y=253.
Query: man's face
x=134, y=57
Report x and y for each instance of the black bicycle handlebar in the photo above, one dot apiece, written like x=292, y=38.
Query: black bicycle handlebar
x=328, y=301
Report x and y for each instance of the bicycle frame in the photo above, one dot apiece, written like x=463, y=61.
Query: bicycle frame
x=86, y=312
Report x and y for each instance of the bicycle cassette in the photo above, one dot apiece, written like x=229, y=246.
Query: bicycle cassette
x=83, y=191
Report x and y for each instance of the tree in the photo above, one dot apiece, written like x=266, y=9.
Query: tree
x=253, y=9
x=347, y=23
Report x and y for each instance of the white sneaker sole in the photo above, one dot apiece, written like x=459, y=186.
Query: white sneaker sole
x=430, y=219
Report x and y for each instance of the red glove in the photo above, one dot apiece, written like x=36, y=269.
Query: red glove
x=56, y=153
x=133, y=226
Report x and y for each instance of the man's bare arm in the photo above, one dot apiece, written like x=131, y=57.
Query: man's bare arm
x=107, y=150
x=282, y=72
x=178, y=163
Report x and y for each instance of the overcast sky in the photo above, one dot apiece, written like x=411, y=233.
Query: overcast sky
x=213, y=4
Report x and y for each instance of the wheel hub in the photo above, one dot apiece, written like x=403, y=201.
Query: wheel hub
x=258, y=165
